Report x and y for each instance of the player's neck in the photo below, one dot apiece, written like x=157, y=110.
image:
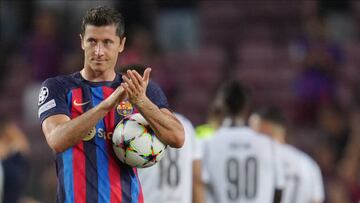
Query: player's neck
x=279, y=134
x=97, y=76
x=232, y=122
x=280, y=139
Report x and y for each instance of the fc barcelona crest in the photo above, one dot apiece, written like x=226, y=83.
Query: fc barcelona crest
x=125, y=108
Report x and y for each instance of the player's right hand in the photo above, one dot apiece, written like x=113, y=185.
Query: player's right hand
x=115, y=98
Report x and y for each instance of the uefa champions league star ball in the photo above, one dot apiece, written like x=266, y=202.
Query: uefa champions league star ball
x=135, y=143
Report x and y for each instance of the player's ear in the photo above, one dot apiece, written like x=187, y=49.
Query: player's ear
x=122, y=44
x=81, y=41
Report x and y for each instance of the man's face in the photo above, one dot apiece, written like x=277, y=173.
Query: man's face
x=101, y=46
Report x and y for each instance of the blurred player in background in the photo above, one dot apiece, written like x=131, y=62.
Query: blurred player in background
x=14, y=152
x=79, y=112
x=207, y=130
x=303, y=180
x=172, y=179
x=239, y=164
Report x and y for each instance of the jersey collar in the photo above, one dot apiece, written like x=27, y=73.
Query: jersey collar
x=228, y=122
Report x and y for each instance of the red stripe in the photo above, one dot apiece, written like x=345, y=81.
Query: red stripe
x=78, y=153
x=141, y=196
x=114, y=170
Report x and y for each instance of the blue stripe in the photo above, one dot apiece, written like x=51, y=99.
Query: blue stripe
x=68, y=175
x=125, y=179
x=101, y=151
x=69, y=100
x=91, y=157
x=60, y=197
x=134, y=188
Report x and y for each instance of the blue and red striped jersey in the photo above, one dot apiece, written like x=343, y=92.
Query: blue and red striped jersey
x=90, y=171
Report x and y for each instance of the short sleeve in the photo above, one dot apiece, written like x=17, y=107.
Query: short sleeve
x=156, y=95
x=318, y=190
x=52, y=99
x=190, y=137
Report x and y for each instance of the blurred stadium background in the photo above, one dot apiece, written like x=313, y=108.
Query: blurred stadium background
x=302, y=56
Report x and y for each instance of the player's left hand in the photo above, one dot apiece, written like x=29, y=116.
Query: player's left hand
x=135, y=85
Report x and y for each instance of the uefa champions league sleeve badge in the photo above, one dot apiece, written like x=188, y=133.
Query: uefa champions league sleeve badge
x=43, y=95
x=125, y=108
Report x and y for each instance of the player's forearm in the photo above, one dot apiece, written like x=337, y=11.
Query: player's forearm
x=166, y=126
x=62, y=134
x=198, y=187
x=70, y=133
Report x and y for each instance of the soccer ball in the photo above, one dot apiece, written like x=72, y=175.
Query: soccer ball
x=135, y=143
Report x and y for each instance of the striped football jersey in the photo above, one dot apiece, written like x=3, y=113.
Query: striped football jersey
x=89, y=171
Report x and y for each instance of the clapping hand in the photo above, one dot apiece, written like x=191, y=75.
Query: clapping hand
x=135, y=85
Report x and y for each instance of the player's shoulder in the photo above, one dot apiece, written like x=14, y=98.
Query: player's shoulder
x=183, y=119
x=153, y=86
x=188, y=126
x=293, y=151
x=242, y=133
x=256, y=136
x=301, y=155
x=263, y=137
x=61, y=80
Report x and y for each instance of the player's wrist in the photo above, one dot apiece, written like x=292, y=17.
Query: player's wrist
x=104, y=107
x=140, y=101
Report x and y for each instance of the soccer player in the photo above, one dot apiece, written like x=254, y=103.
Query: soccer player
x=206, y=130
x=172, y=180
x=240, y=165
x=303, y=180
x=14, y=148
x=78, y=113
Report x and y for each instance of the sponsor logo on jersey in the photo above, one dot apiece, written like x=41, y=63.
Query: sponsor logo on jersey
x=104, y=135
x=100, y=132
x=43, y=95
x=90, y=134
x=125, y=108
